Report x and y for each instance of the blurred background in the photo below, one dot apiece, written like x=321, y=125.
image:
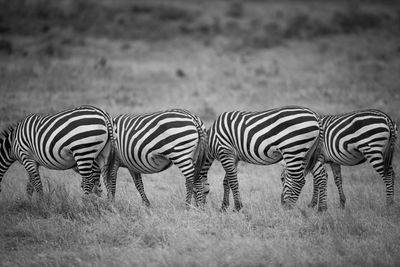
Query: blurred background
x=206, y=56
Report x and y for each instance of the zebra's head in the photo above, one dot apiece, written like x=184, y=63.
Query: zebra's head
x=291, y=189
x=97, y=190
x=6, y=151
x=199, y=197
x=286, y=192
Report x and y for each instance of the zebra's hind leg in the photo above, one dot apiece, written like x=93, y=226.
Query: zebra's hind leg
x=375, y=158
x=389, y=183
x=137, y=179
x=337, y=174
x=185, y=164
x=390, y=197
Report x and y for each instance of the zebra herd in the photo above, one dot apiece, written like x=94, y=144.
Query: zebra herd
x=91, y=142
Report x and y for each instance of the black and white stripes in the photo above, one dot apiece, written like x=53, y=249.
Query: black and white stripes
x=350, y=139
x=72, y=138
x=267, y=137
x=151, y=143
x=87, y=140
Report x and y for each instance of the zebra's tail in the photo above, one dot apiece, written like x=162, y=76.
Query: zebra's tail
x=314, y=152
x=201, y=151
x=112, y=156
x=389, y=150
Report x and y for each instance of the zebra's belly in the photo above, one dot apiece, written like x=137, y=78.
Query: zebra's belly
x=269, y=157
x=264, y=162
x=151, y=164
x=57, y=163
x=345, y=158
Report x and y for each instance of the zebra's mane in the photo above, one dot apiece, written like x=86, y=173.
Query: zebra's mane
x=7, y=131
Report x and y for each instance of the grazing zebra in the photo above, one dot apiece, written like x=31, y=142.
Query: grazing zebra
x=72, y=138
x=264, y=138
x=351, y=139
x=150, y=143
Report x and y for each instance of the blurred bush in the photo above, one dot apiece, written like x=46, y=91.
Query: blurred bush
x=141, y=20
x=153, y=20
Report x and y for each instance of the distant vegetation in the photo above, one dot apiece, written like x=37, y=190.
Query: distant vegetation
x=158, y=21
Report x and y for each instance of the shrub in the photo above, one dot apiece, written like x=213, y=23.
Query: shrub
x=355, y=21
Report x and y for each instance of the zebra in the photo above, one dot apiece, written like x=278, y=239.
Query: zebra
x=151, y=143
x=266, y=137
x=351, y=139
x=70, y=139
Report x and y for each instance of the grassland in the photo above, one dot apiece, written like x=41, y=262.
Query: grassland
x=208, y=57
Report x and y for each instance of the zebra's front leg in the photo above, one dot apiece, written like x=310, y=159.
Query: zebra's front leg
x=34, y=178
x=314, y=199
x=230, y=167
x=88, y=183
x=201, y=188
x=292, y=186
x=29, y=188
x=321, y=177
x=110, y=181
x=189, y=190
x=225, y=200
x=200, y=191
x=137, y=179
x=337, y=175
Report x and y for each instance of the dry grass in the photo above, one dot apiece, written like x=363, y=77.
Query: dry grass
x=332, y=57
x=66, y=230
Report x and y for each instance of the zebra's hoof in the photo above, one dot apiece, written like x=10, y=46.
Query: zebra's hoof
x=311, y=205
x=287, y=206
x=223, y=208
x=322, y=209
x=238, y=208
x=389, y=203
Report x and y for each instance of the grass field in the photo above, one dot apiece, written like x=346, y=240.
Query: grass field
x=208, y=57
